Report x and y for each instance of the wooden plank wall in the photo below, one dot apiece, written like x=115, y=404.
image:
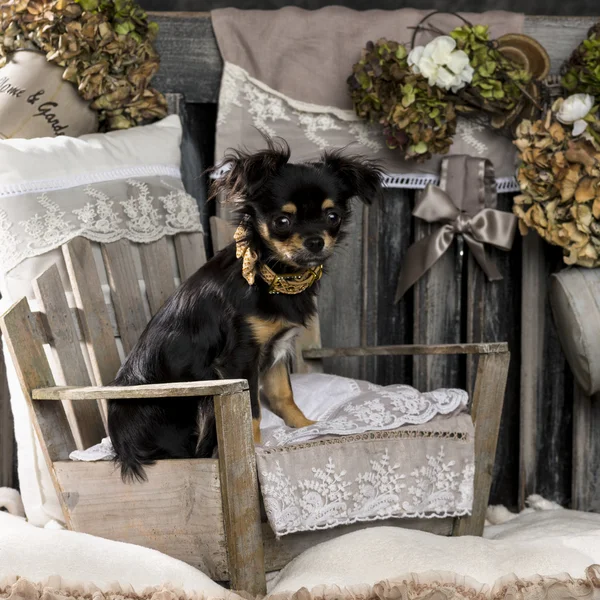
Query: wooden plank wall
x=452, y=303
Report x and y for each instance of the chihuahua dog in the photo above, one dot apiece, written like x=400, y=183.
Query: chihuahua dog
x=236, y=316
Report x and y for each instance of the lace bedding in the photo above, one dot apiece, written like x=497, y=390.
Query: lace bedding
x=375, y=453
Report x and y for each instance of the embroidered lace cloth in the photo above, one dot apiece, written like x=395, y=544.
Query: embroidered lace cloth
x=307, y=102
x=138, y=204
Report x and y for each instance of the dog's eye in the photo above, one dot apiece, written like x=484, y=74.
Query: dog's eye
x=333, y=219
x=282, y=222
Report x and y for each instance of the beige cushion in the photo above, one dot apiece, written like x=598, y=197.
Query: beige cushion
x=575, y=301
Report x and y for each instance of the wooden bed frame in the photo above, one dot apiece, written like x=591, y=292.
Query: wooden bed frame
x=206, y=512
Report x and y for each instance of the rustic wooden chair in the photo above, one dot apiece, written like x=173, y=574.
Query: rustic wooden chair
x=206, y=512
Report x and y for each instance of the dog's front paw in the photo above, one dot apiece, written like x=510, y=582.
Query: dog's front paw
x=302, y=421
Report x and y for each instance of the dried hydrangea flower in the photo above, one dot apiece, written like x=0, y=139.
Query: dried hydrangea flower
x=103, y=46
x=559, y=177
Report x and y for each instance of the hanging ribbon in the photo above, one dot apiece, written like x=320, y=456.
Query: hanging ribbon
x=467, y=184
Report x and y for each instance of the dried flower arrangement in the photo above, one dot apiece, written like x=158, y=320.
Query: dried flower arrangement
x=559, y=178
x=104, y=47
x=581, y=73
x=417, y=95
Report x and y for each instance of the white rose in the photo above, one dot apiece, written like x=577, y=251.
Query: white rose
x=440, y=49
x=574, y=110
x=414, y=57
x=441, y=64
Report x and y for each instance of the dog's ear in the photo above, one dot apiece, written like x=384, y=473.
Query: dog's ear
x=242, y=173
x=356, y=175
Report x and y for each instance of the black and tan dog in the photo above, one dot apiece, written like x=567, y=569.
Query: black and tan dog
x=237, y=315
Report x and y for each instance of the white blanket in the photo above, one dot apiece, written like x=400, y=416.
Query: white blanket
x=536, y=543
x=37, y=554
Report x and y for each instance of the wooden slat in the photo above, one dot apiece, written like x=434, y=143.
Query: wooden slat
x=85, y=419
x=125, y=292
x=191, y=254
x=445, y=349
x=279, y=552
x=586, y=452
x=155, y=390
x=239, y=490
x=343, y=279
x=533, y=290
x=158, y=272
x=486, y=411
x=178, y=511
x=191, y=62
x=194, y=156
x=389, y=236
x=437, y=314
x=93, y=313
x=221, y=232
x=25, y=346
x=7, y=435
x=492, y=316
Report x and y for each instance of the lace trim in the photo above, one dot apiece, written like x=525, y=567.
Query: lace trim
x=453, y=586
x=376, y=408
x=141, y=211
x=460, y=436
x=504, y=185
x=62, y=183
x=233, y=74
x=348, y=488
x=414, y=515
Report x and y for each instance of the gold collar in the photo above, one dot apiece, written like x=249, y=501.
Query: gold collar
x=290, y=283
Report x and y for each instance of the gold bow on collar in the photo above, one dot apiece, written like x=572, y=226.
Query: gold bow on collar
x=290, y=283
x=460, y=209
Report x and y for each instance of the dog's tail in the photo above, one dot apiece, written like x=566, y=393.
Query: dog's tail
x=206, y=430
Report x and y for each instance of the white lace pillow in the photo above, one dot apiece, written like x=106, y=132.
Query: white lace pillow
x=106, y=187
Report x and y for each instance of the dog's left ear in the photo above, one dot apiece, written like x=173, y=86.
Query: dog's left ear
x=356, y=175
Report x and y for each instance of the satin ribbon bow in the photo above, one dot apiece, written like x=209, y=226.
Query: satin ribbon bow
x=465, y=215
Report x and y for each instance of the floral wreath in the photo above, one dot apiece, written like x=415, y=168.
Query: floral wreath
x=559, y=174
x=416, y=95
x=104, y=47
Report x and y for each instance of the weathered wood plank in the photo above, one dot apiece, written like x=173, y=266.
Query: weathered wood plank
x=94, y=317
x=494, y=316
x=586, y=452
x=240, y=494
x=7, y=435
x=193, y=150
x=178, y=511
x=191, y=254
x=308, y=338
x=158, y=273
x=437, y=314
x=24, y=342
x=486, y=412
x=554, y=405
x=410, y=350
x=389, y=233
x=279, y=552
x=533, y=294
x=221, y=232
x=155, y=390
x=84, y=418
x=342, y=283
x=125, y=292
x=191, y=63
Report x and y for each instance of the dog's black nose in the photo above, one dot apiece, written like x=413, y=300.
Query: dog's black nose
x=314, y=244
